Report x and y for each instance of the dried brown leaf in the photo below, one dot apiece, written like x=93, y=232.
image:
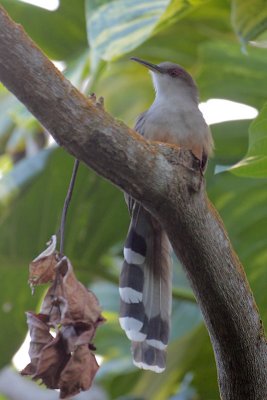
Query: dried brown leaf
x=73, y=299
x=52, y=361
x=40, y=337
x=77, y=334
x=54, y=306
x=83, y=304
x=63, y=362
x=78, y=373
x=42, y=268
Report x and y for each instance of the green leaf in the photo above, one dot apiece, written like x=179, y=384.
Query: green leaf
x=231, y=141
x=255, y=162
x=13, y=182
x=254, y=167
x=225, y=72
x=15, y=295
x=15, y=299
x=176, y=10
x=249, y=18
x=61, y=33
x=242, y=205
x=119, y=26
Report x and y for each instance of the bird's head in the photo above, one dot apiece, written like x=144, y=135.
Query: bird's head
x=170, y=79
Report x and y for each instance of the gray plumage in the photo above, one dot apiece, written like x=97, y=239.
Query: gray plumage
x=146, y=276
x=145, y=286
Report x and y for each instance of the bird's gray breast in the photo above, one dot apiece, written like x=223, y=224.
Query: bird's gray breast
x=172, y=125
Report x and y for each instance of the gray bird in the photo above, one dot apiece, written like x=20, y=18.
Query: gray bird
x=146, y=276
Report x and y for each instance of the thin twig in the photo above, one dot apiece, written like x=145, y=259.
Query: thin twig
x=66, y=206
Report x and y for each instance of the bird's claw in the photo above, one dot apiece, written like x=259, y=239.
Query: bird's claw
x=97, y=102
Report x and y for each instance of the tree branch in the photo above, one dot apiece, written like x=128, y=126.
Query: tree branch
x=169, y=185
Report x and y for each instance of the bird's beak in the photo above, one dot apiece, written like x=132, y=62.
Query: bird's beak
x=152, y=67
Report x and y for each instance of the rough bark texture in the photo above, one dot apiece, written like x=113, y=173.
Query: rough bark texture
x=168, y=183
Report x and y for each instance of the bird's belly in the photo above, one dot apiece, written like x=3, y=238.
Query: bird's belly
x=164, y=135
x=191, y=135
x=176, y=132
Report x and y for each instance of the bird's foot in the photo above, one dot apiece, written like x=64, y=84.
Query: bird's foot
x=97, y=102
x=198, y=167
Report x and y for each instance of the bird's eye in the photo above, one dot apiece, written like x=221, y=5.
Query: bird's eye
x=174, y=72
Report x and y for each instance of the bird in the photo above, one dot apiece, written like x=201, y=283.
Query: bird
x=145, y=285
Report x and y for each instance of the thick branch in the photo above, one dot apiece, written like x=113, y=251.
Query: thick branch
x=167, y=183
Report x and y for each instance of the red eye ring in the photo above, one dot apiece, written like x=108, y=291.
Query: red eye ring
x=174, y=72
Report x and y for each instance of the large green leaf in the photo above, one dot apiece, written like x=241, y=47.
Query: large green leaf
x=231, y=141
x=15, y=296
x=176, y=10
x=119, y=26
x=61, y=33
x=242, y=205
x=15, y=299
x=255, y=162
x=226, y=72
x=249, y=18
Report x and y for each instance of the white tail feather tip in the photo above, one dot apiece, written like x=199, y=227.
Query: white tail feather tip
x=132, y=257
x=157, y=344
x=132, y=328
x=129, y=295
x=154, y=368
x=135, y=336
x=129, y=323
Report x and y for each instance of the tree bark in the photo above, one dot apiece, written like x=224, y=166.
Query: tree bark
x=168, y=183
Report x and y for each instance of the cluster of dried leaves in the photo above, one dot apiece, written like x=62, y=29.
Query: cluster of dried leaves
x=66, y=361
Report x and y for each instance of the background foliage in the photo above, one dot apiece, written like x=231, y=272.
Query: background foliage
x=94, y=38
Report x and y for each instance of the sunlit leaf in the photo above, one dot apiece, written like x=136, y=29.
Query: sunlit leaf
x=249, y=18
x=120, y=26
x=117, y=27
x=61, y=33
x=242, y=77
x=176, y=10
x=255, y=162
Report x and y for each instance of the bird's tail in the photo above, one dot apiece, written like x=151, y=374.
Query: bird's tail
x=145, y=290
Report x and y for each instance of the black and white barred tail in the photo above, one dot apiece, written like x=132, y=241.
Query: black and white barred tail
x=145, y=290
